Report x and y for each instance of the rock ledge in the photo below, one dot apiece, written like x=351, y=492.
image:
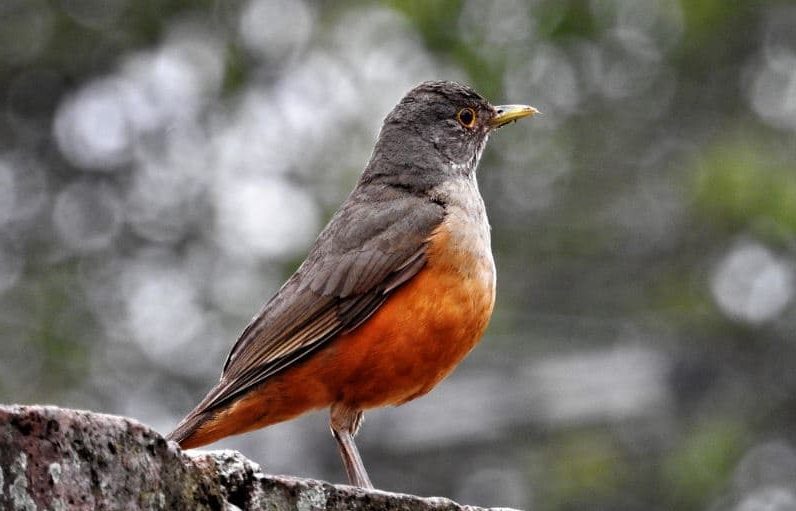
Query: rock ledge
x=61, y=459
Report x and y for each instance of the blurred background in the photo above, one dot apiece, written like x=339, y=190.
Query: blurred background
x=164, y=166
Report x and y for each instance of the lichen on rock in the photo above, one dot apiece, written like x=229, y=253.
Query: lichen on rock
x=61, y=459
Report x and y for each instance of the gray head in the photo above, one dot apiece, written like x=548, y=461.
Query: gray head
x=436, y=132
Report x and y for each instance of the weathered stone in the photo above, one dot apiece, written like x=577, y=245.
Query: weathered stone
x=59, y=459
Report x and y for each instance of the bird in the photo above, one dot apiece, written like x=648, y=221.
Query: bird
x=396, y=290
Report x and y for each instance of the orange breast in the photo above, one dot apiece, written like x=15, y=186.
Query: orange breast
x=415, y=339
x=423, y=331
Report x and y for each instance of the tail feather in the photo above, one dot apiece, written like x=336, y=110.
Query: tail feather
x=188, y=431
x=197, y=428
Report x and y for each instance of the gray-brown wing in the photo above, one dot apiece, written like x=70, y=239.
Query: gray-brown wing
x=373, y=244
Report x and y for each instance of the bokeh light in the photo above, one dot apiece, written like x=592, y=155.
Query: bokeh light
x=23, y=191
x=751, y=284
x=11, y=266
x=162, y=306
x=772, y=93
x=87, y=217
x=252, y=218
x=290, y=26
x=92, y=129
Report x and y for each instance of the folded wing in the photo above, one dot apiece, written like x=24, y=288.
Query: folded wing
x=373, y=244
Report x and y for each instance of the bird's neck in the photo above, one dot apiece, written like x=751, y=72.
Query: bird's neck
x=414, y=163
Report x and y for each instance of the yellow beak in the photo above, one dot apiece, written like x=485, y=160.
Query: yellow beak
x=507, y=113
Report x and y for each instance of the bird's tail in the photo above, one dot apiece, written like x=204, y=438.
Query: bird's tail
x=189, y=433
x=200, y=426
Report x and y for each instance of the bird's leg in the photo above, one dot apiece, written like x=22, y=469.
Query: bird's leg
x=345, y=422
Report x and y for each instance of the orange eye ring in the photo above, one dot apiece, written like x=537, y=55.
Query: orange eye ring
x=466, y=117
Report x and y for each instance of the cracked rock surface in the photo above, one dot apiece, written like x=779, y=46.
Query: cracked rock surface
x=61, y=459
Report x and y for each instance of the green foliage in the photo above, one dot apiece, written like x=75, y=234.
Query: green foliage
x=740, y=187
x=58, y=314
x=437, y=23
x=565, y=19
x=704, y=17
x=584, y=467
x=235, y=72
x=698, y=466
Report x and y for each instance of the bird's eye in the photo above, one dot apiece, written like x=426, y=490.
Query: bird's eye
x=466, y=117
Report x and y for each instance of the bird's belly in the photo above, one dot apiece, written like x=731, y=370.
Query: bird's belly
x=423, y=330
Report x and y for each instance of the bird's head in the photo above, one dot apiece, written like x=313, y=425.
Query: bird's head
x=438, y=130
